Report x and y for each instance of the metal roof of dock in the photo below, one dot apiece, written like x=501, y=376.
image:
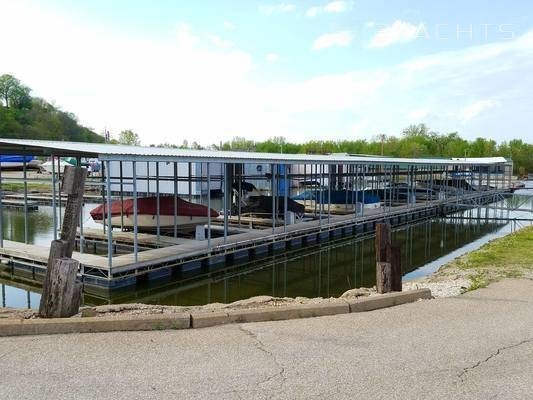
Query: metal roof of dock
x=117, y=152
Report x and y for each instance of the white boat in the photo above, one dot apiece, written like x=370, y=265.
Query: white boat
x=188, y=215
x=48, y=167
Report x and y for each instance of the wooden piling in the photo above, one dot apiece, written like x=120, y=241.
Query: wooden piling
x=61, y=289
x=58, y=250
x=74, y=186
x=388, y=261
x=383, y=240
x=383, y=277
x=63, y=297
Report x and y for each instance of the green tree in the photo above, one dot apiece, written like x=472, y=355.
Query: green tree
x=129, y=137
x=23, y=116
x=13, y=93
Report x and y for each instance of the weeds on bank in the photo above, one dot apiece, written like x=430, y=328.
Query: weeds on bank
x=19, y=187
x=507, y=257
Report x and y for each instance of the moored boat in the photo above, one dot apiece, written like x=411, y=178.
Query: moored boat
x=341, y=197
x=49, y=168
x=261, y=204
x=14, y=162
x=171, y=211
x=338, y=200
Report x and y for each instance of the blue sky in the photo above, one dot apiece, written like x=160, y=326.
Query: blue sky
x=211, y=70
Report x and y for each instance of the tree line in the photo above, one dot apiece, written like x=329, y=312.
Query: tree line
x=414, y=141
x=25, y=117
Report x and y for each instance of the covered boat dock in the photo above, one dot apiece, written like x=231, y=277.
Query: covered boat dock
x=304, y=199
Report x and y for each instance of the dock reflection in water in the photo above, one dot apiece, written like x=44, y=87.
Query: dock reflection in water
x=319, y=271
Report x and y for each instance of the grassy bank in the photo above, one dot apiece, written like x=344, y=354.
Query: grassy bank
x=32, y=187
x=507, y=257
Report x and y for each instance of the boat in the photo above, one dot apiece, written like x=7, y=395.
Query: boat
x=188, y=215
x=450, y=184
x=339, y=199
x=402, y=191
x=14, y=162
x=48, y=167
x=262, y=204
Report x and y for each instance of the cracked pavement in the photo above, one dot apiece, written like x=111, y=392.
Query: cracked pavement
x=475, y=346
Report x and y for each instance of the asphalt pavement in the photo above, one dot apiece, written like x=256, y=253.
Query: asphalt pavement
x=475, y=346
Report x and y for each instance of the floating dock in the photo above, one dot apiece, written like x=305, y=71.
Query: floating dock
x=20, y=205
x=113, y=257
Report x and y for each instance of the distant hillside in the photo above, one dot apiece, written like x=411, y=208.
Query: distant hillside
x=25, y=117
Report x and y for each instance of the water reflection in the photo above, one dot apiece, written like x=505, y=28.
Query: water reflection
x=323, y=270
x=39, y=226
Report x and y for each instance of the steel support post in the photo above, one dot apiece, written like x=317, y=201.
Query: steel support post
x=226, y=194
x=158, y=203
x=208, y=206
x=329, y=193
x=273, y=168
x=108, y=220
x=54, y=208
x=175, y=222
x=121, y=177
x=135, y=212
x=59, y=187
x=25, y=177
x=189, y=180
x=285, y=197
x=82, y=239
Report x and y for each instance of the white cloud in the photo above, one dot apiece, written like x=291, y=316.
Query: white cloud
x=184, y=36
x=337, y=6
x=272, y=57
x=471, y=111
x=360, y=128
x=312, y=12
x=229, y=26
x=219, y=42
x=399, y=32
x=341, y=39
x=280, y=8
x=418, y=115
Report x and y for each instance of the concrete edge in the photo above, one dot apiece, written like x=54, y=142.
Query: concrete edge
x=202, y=320
x=389, y=300
x=16, y=327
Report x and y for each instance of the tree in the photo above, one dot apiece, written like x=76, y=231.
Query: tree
x=416, y=130
x=129, y=137
x=13, y=93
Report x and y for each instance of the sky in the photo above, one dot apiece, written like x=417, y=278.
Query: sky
x=208, y=71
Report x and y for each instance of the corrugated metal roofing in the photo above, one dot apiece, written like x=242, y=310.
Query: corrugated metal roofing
x=138, y=153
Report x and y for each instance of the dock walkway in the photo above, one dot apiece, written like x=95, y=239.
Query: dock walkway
x=20, y=205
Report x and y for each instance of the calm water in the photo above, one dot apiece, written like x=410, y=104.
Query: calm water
x=325, y=270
